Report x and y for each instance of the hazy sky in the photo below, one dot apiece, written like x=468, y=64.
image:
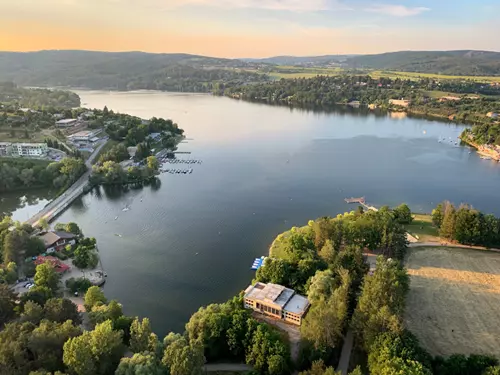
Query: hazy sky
x=250, y=28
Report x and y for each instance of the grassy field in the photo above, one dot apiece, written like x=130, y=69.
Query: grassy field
x=303, y=72
x=422, y=228
x=454, y=300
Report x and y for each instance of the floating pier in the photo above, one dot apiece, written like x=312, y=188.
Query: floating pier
x=257, y=263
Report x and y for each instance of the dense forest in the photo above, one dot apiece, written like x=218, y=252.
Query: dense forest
x=11, y=94
x=125, y=71
x=467, y=63
x=24, y=173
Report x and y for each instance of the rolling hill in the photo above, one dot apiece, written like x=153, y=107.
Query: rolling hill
x=122, y=71
x=468, y=62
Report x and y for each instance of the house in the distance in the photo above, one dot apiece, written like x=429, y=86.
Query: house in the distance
x=276, y=301
x=57, y=240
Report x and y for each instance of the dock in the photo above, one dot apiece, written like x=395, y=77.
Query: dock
x=361, y=201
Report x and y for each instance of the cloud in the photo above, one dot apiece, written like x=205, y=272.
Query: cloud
x=290, y=5
x=396, y=10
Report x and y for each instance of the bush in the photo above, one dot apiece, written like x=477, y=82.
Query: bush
x=80, y=284
x=60, y=255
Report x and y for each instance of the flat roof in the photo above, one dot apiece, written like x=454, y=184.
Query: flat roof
x=83, y=133
x=297, y=304
x=269, y=293
x=66, y=121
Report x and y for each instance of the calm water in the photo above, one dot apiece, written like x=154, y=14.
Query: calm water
x=192, y=240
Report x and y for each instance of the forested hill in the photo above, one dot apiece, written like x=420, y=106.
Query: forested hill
x=443, y=62
x=123, y=70
x=470, y=63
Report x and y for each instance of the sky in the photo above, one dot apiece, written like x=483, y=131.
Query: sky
x=250, y=28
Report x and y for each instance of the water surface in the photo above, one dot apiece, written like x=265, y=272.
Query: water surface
x=191, y=240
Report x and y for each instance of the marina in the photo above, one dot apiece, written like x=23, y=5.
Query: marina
x=257, y=263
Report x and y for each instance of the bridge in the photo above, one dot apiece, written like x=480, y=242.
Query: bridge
x=59, y=204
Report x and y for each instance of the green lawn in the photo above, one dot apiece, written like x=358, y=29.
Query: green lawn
x=422, y=228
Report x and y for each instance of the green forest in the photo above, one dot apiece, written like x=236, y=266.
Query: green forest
x=16, y=173
x=11, y=94
x=125, y=71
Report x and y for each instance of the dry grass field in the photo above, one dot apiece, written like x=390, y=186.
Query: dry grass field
x=454, y=300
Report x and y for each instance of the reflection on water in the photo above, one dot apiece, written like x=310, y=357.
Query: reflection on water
x=23, y=204
x=169, y=250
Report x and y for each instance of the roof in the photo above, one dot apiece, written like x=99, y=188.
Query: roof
x=56, y=263
x=50, y=238
x=66, y=121
x=297, y=304
x=269, y=293
x=84, y=133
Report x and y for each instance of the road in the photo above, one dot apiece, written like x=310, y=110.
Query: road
x=345, y=355
x=447, y=244
x=61, y=202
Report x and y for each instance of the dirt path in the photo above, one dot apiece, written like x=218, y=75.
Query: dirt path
x=236, y=367
x=345, y=355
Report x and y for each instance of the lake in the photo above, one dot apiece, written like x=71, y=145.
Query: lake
x=191, y=240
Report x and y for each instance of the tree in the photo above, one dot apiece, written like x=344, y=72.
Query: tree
x=95, y=352
x=47, y=341
x=264, y=346
x=7, y=304
x=447, y=229
x=43, y=224
x=402, y=214
x=324, y=324
x=101, y=312
x=46, y=276
x=153, y=163
x=437, y=215
x=15, y=357
x=34, y=247
x=180, y=357
x=140, y=364
x=32, y=312
x=60, y=310
x=93, y=296
x=140, y=333
x=381, y=303
x=319, y=368
x=70, y=228
x=37, y=294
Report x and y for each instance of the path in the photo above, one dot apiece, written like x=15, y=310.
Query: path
x=60, y=203
x=236, y=367
x=345, y=355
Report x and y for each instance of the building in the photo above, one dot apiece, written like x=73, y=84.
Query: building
x=56, y=241
x=5, y=148
x=400, y=103
x=154, y=137
x=66, y=123
x=59, y=266
x=276, y=301
x=85, y=136
x=29, y=149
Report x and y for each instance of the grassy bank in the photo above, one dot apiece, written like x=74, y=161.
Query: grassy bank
x=423, y=229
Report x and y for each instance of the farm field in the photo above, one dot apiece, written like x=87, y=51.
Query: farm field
x=303, y=72
x=454, y=300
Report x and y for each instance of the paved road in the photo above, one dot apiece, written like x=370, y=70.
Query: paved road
x=236, y=367
x=54, y=207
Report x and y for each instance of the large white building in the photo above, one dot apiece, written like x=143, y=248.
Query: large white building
x=87, y=136
x=24, y=149
x=66, y=123
x=5, y=148
x=276, y=301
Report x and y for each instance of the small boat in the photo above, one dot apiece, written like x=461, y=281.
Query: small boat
x=118, y=235
x=116, y=217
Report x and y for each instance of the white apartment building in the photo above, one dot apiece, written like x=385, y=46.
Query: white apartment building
x=29, y=149
x=5, y=148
